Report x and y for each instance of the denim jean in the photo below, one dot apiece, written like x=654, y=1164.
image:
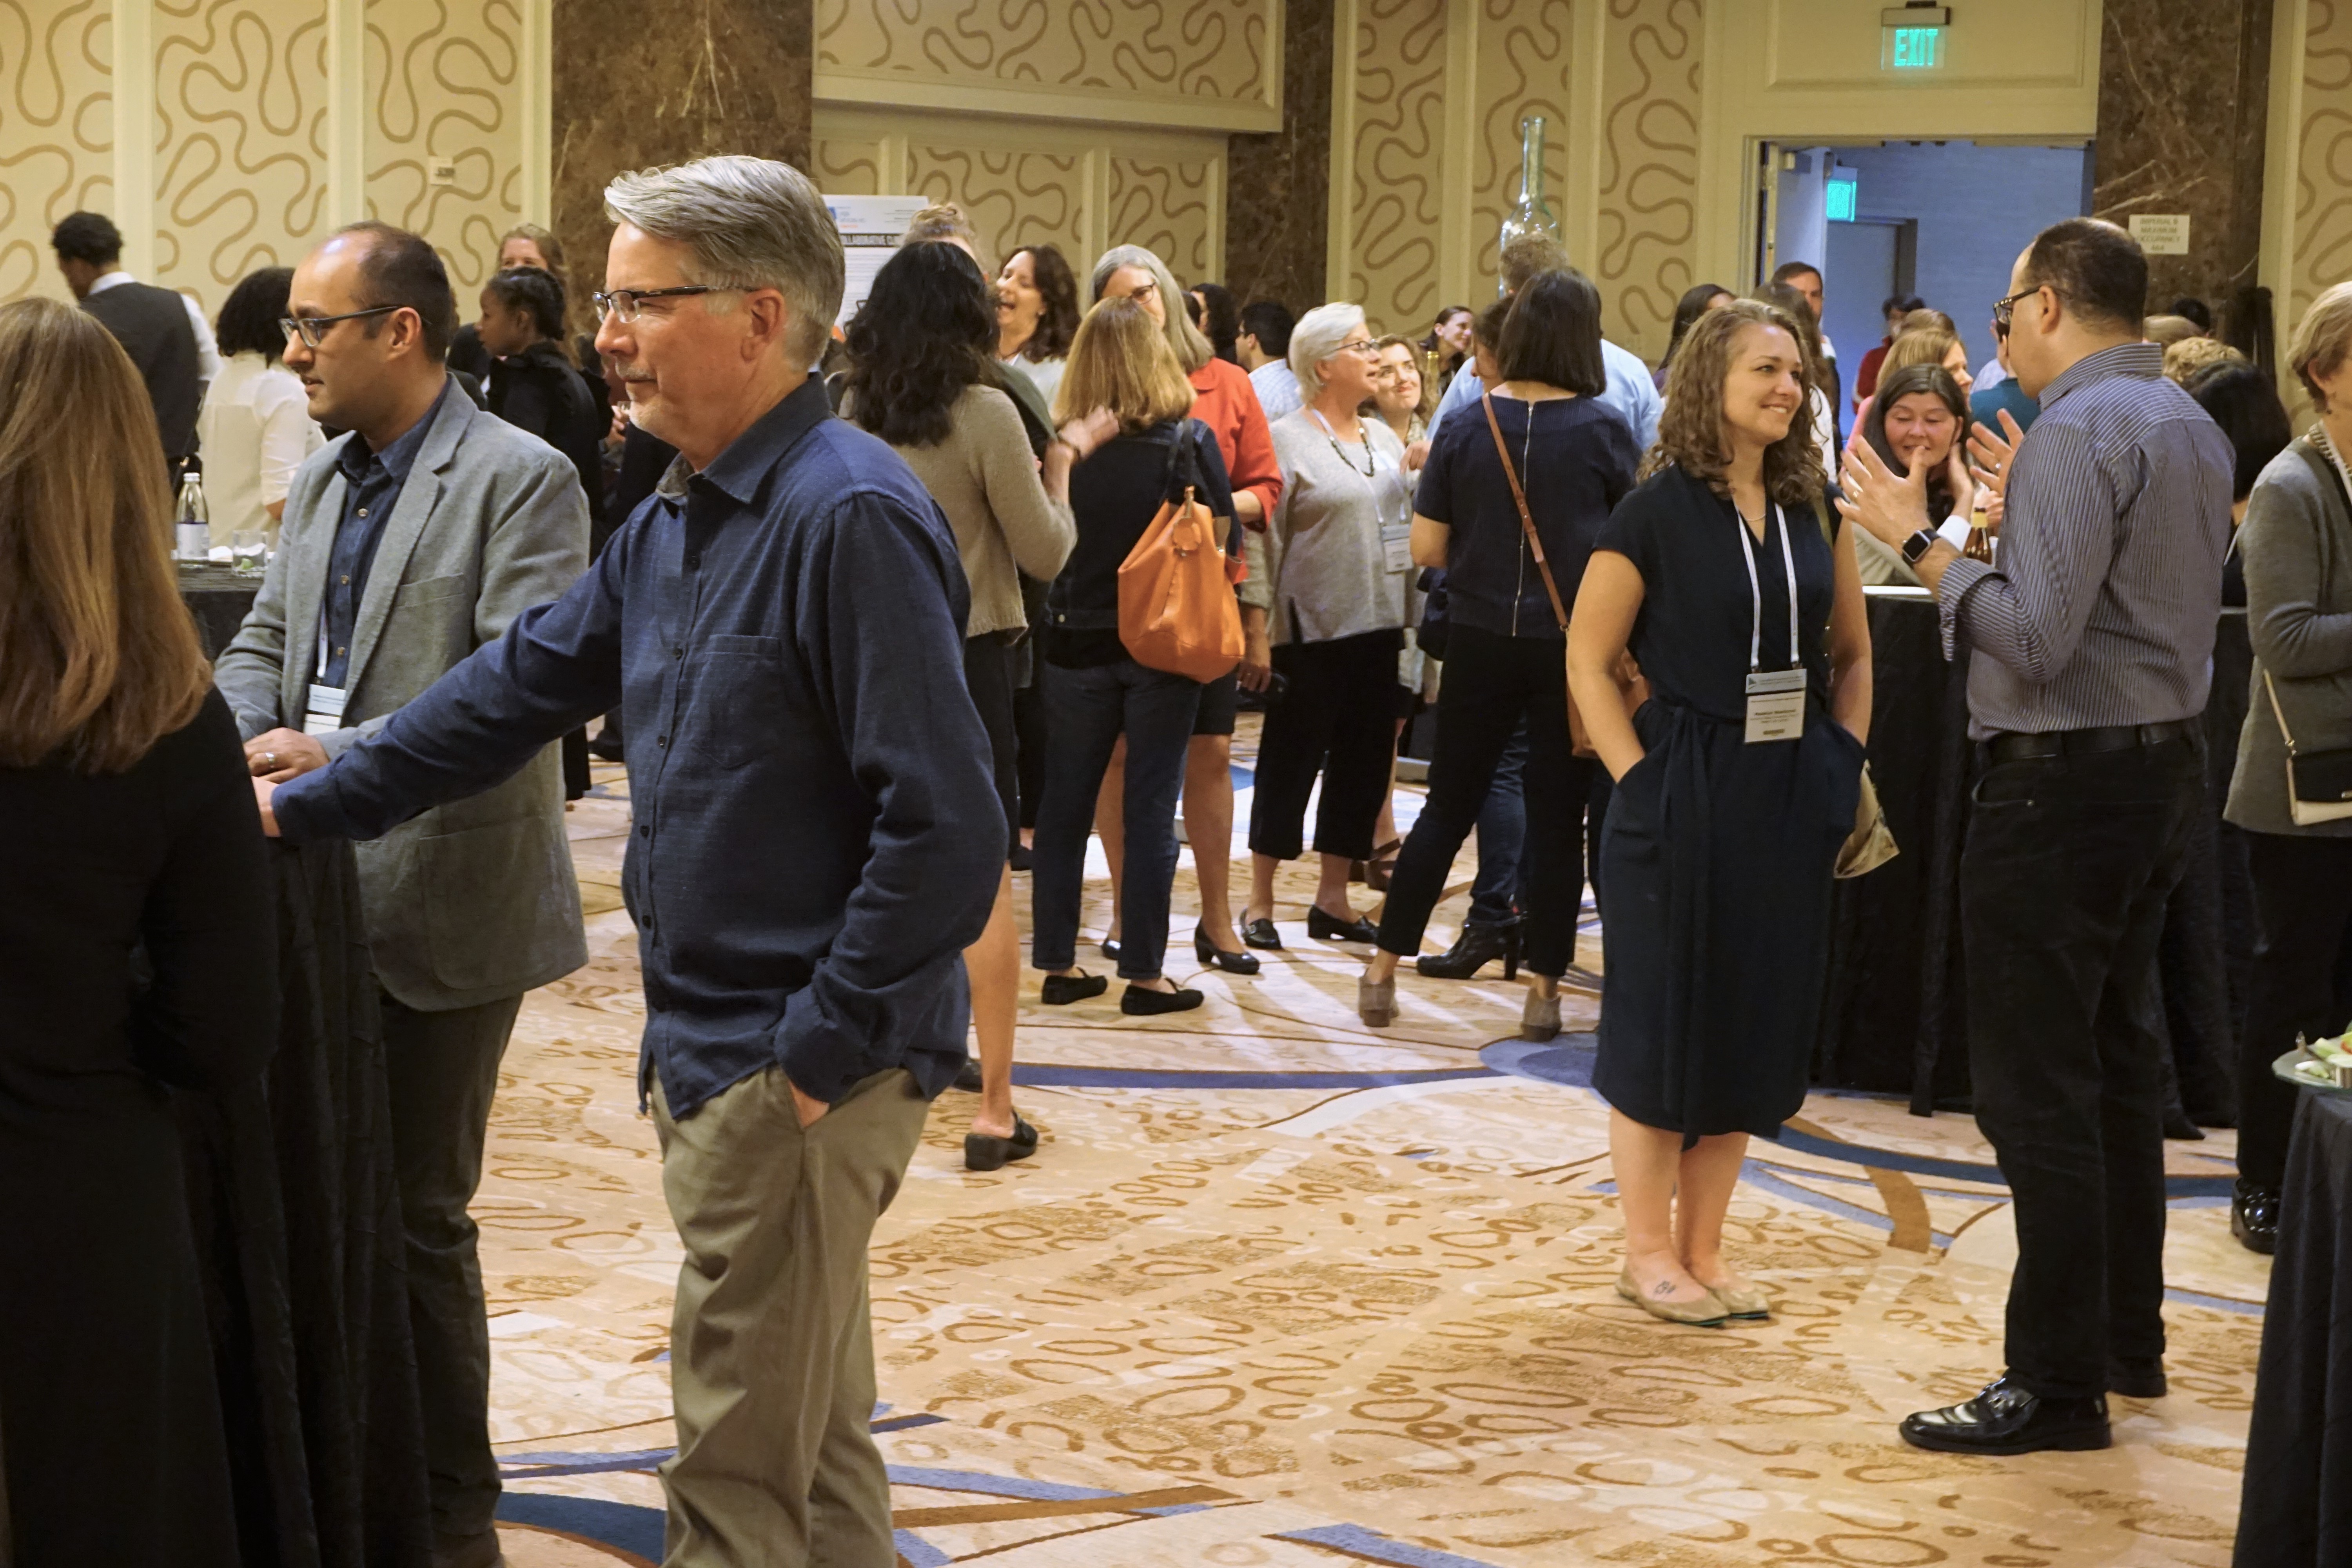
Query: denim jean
x=1087, y=711
x=1502, y=839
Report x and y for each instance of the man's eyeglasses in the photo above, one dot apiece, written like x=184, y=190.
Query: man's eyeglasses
x=1358, y=345
x=2003, y=310
x=312, y=330
x=622, y=303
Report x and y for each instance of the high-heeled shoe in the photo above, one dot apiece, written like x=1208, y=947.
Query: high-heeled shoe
x=1260, y=933
x=1539, y=1019
x=1330, y=927
x=1208, y=951
x=1478, y=945
x=1706, y=1312
x=1061, y=990
x=985, y=1151
x=1376, y=1002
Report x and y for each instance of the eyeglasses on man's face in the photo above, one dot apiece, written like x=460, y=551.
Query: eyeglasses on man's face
x=313, y=330
x=1355, y=345
x=622, y=304
x=2005, y=311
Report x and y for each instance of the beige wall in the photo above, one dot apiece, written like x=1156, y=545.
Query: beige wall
x=2307, y=168
x=261, y=124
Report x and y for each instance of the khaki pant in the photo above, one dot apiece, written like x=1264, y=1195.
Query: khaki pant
x=771, y=1351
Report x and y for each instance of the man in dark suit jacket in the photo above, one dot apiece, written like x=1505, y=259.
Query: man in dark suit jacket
x=155, y=326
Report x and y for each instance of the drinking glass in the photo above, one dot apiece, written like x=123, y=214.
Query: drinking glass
x=248, y=552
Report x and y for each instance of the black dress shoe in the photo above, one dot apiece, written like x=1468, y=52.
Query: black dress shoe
x=1208, y=951
x=1326, y=928
x=2137, y=1377
x=1261, y=934
x=2254, y=1217
x=1022, y=858
x=2007, y=1419
x=1061, y=990
x=968, y=1076
x=606, y=751
x=1109, y=946
x=2180, y=1128
x=983, y=1151
x=1138, y=1001
x=1478, y=945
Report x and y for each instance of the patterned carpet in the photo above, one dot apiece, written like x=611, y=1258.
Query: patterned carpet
x=1278, y=1289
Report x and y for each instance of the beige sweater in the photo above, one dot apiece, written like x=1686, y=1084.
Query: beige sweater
x=985, y=478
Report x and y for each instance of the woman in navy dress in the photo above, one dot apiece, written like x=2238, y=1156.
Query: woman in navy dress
x=1737, y=783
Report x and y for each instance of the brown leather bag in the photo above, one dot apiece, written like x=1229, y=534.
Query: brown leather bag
x=1176, y=606
x=1631, y=689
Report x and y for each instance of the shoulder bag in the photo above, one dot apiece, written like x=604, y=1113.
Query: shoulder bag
x=1871, y=843
x=1177, y=612
x=1631, y=688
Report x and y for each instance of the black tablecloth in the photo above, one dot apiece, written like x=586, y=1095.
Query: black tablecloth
x=2296, y=1510
x=1894, y=1017
x=218, y=598
x=298, y=1230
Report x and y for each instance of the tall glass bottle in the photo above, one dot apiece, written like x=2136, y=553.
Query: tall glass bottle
x=1530, y=214
x=191, y=528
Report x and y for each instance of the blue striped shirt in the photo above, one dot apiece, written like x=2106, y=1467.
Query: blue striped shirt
x=2118, y=521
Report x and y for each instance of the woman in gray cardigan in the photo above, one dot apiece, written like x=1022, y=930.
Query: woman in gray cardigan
x=2296, y=546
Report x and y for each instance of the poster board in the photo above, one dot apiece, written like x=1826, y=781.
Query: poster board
x=869, y=228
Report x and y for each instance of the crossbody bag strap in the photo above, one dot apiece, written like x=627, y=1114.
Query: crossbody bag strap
x=2279, y=713
x=1526, y=520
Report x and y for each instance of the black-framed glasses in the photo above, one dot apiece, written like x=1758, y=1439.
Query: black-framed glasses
x=312, y=330
x=2003, y=310
x=623, y=303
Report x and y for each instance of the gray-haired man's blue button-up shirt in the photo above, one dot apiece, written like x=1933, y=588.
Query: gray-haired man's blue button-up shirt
x=2118, y=521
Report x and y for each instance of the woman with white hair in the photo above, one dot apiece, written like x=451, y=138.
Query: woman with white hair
x=1225, y=401
x=1336, y=563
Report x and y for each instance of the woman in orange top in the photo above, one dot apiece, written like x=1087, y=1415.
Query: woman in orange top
x=1226, y=403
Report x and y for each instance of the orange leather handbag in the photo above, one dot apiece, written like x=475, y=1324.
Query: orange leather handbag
x=1176, y=606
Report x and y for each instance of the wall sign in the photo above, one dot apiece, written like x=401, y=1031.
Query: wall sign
x=2161, y=234
x=870, y=227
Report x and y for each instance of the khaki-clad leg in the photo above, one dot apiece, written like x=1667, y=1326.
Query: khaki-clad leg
x=771, y=1351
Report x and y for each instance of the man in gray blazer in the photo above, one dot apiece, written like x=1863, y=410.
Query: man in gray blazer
x=407, y=544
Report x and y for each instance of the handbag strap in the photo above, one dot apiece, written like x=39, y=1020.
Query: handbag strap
x=2279, y=713
x=1518, y=494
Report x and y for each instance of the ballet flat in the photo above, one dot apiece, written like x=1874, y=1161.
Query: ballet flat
x=1706, y=1312
x=1745, y=1304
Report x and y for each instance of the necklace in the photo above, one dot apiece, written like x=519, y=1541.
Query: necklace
x=1371, y=463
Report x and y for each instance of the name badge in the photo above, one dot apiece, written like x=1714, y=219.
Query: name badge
x=1776, y=705
x=324, y=709
x=1396, y=548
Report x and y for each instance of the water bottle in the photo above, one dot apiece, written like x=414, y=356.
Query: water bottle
x=192, y=533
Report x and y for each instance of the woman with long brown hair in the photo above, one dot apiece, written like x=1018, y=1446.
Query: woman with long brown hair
x=1725, y=576
x=134, y=952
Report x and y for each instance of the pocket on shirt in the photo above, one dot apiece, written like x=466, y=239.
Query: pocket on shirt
x=734, y=716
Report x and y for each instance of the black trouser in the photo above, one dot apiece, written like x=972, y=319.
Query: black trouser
x=443, y=1068
x=2068, y=866
x=1337, y=718
x=1492, y=683
x=2303, y=898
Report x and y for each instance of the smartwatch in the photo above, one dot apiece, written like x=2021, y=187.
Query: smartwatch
x=1915, y=547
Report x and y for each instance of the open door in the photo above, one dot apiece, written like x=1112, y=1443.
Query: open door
x=1769, y=158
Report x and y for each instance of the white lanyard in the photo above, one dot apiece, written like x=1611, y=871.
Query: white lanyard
x=1755, y=588
x=1398, y=549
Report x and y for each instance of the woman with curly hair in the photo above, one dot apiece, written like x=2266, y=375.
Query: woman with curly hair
x=1036, y=315
x=919, y=350
x=1725, y=576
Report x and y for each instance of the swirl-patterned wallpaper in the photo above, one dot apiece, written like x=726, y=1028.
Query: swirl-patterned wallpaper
x=1163, y=205
x=443, y=77
x=1524, y=69
x=1149, y=50
x=1011, y=196
x=2322, y=189
x=1397, y=172
x=1648, y=218
x=846, y=166
x=240, y=113
x=56, y=130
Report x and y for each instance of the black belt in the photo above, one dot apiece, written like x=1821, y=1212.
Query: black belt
x=2011, y=748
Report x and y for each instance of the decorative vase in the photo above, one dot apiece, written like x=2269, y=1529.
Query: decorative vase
x=1530, y=214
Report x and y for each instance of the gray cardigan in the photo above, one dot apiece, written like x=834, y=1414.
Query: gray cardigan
x=2296, y=543
x=985, y=480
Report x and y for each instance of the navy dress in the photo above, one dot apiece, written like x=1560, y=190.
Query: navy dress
x=1717, y=861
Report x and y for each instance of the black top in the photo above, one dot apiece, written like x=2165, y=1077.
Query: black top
x=1576, y=460
x=1692, y=642
x=540, y=391
x=1114, y=496
x=815, y=830
x=151, y=324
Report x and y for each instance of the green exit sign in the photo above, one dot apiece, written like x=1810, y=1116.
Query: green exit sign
x=1913, y=49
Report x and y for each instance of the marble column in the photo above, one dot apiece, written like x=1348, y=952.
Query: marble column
x=643, y=82
x=1277, y=214
x=2184, y=100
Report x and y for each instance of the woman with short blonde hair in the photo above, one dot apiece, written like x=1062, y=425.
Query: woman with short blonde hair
x=135, y=950
x=1120, y=361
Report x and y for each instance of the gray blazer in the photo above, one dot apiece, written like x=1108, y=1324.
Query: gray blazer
x=475, y=900
x=2296, y=543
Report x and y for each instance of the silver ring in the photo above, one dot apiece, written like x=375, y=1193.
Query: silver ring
x=269, y=761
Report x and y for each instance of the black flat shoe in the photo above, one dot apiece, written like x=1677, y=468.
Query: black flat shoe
x=2006, y=1419
x=1478, y=945
x=1061, y=990
x=1139, y=1003
x=2181, y=1129
x=1261, y=935
x=1324, y=928
x=1022, y=858
x=1109, y=946
x=2254, y=1217
x=1208, y=951
x=983, y=1151
x=968, y=1076
x=2137, y=1377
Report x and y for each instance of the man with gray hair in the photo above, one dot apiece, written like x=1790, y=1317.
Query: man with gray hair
x=815, y=837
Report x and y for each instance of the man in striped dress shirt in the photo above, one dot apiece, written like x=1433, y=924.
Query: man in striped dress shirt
x=2092, y=639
